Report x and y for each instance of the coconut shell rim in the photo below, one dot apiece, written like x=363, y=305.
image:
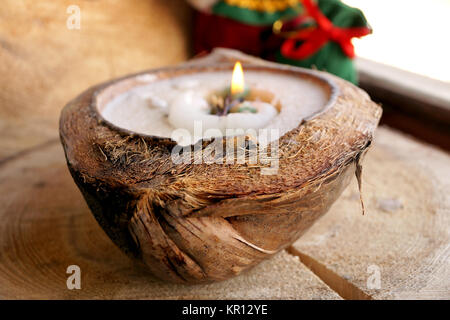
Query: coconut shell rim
x=100, y=88
x=89, y=99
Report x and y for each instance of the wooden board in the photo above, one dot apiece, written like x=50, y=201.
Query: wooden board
x=45, y=226
x=411, y=92
x=404, y=234
x=44, y=64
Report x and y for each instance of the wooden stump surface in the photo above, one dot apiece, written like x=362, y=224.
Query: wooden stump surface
x=404, y=235
x=46, y=226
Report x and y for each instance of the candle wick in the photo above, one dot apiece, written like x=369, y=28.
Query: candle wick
x=222, y=105
x=229, y=103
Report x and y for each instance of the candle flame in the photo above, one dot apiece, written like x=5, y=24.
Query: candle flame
x=237, y=80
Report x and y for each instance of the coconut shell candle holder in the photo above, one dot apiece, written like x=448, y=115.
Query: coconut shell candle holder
x=194, y=222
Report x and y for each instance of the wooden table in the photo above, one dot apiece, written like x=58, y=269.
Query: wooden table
x=403, y=237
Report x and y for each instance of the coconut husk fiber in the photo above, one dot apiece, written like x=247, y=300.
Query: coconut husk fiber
x=193, y=223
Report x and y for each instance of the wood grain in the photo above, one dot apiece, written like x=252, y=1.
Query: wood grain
x=405, y=232
x=46, y=226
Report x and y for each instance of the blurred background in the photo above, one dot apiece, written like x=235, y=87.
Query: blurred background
x=408, y=34
x=412, y=36
x=403, y=64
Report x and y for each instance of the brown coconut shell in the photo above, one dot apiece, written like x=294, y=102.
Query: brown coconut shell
x=195, y=223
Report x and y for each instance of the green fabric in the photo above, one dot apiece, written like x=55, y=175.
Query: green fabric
x=330, y=57
x=342, y=15
x=252, y=17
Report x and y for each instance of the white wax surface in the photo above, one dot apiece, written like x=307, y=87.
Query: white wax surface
x=144, y=109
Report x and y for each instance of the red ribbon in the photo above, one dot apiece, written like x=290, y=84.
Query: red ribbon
x=325, y=31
